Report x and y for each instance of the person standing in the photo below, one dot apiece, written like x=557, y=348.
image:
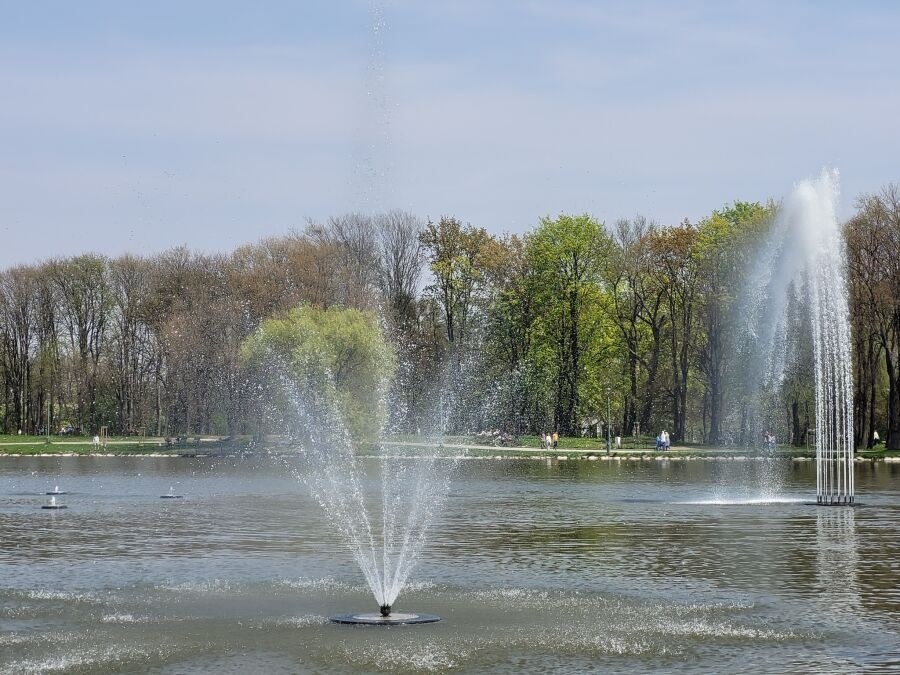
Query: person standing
x=666, y=442
x=555, y=439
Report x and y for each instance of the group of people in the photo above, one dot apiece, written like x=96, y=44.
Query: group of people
x=662, y=440
x=549, y=441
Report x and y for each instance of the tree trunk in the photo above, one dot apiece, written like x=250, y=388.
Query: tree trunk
x=797, y=434
x=652, y=372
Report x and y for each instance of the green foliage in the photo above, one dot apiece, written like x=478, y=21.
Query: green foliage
x=572, y=343
x=461, y=258
x=338, y=354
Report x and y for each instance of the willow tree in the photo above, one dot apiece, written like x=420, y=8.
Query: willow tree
x=336, y=357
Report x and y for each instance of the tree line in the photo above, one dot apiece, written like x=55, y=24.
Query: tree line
x=521, y=333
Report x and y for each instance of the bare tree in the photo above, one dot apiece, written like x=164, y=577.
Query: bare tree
x=873, y=246
x=132, y=346
x=17, y=298
x=400, y=261
x=84, y=299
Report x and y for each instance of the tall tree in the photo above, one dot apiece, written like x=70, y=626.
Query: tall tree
x=459, y=256
x=568, y=255
x=82, y=284
x=400, y=261
x=873, y=249
x=17, y=331
x=672, y=256
x=721, y=251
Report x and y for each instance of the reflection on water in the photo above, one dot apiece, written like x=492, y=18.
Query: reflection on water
x=568, y=567
x=837, y=556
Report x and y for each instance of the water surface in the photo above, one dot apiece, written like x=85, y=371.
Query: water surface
x=535, y=566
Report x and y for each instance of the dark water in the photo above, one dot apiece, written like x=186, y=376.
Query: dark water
x=563, y=567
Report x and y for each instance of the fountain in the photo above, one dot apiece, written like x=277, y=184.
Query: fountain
x=53, y=505
x=411, y=494
x=805, y=249
x=171, y=494
x=56, y=491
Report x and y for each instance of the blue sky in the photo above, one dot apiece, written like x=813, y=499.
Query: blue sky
x=141, y=126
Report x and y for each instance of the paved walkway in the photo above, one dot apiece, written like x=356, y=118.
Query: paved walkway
x=558, y=450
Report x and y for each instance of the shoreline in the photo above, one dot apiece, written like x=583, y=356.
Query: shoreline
x=470, y=448
x=484, y=453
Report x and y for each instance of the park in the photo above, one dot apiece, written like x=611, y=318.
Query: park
x=345, y=346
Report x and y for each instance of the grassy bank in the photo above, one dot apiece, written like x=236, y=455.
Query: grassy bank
x=118, y=445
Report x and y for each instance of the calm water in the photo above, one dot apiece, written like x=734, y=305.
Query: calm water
x=561, y=567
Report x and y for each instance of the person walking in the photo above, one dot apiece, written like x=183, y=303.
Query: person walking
x=555, y=439
x=666, y=441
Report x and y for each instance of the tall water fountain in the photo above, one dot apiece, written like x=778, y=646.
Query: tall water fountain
x=805, y=250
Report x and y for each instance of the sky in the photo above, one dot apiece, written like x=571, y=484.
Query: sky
x=136, y=127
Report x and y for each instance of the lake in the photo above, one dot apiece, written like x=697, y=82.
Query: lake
x=540, y=566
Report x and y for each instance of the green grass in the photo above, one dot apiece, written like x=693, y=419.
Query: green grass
x=8, y=439
x=879, y=452
x=81, y=449
x=84, y=445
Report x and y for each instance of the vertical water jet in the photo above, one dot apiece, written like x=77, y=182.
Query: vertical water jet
x=805, y=249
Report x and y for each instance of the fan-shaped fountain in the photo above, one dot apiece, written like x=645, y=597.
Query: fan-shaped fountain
x=386, y=546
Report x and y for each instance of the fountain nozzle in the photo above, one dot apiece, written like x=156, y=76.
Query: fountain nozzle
x=385, y=610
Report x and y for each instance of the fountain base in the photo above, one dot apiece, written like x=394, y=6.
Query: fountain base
x=54, y=507
x=392, y=619
x=849, y=502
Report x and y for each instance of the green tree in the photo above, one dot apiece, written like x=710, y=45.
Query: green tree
x=459, y=257
x=568, y=255
x=720, y=252
x=337, y=355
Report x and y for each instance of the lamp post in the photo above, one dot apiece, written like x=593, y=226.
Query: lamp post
x=608, y=423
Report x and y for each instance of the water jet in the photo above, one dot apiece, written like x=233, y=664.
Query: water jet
x=804, y=256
